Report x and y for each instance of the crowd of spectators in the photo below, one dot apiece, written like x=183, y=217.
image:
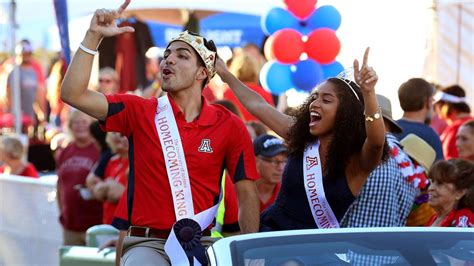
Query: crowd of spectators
x=424, y=178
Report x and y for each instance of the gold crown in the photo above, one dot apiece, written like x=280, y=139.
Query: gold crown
x=197, y=42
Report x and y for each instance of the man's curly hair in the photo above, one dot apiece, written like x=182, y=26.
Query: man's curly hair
x=348, y=132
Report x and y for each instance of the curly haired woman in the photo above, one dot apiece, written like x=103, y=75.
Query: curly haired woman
x=335, y=139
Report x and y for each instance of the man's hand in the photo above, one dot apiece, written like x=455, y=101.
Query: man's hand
x=103, y=23
x=92, y=180
x=114, y=191
x=74, y=89
x=100, y=191
x=111, y=243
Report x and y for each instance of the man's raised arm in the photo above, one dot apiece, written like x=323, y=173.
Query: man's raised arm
x=74, y=88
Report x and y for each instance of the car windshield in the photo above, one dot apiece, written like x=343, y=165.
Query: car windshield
x=415, y=248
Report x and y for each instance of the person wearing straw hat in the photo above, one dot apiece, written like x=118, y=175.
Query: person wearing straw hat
x=416, y=97
x=388, y=194
x=419, y=150
x=424, y=155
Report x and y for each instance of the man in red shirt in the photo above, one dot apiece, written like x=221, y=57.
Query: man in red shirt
x=271, y=157
x=212, y=140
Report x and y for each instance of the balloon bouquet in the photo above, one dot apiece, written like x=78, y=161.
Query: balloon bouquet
x=300, y=28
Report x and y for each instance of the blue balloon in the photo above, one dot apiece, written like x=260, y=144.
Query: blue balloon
x=276, y=77
x=325, y=17
x=278, y=18
x=332, y=70
x=304, y=28
x=307, y=74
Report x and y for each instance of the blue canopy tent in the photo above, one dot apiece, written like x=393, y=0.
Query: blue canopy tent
x=225, y=29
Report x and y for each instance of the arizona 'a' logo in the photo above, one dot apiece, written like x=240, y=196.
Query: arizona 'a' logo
x=161, y=109
x=205, y=146
x=463, y=221
x=310, y=162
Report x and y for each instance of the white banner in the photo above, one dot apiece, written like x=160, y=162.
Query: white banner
x=30, y=233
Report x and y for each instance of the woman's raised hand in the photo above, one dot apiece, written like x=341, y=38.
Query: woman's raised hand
x=221, y=67
x=365, y=77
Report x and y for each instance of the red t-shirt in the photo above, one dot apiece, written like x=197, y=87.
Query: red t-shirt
x=456, y=218
x=229, y=95
x=448, y=138
x=73, y=166
x=149, y=201
x=28, y=171
x=116, y=169
x=264, y=205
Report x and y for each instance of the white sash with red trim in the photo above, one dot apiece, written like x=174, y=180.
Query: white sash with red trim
x=179, y=181
x=313, y=183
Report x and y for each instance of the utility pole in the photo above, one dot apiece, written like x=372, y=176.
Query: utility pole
x=15, y=84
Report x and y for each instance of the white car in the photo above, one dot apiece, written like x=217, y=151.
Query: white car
x=348, y=246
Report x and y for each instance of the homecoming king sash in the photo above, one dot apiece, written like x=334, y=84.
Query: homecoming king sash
x=183, y=245
x=313, y=183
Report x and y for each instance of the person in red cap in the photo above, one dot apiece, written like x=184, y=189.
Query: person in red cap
x=179, y=147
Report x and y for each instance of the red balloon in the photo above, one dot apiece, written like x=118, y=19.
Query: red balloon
x=301, y=8
x=323, y=45
x=287, y=46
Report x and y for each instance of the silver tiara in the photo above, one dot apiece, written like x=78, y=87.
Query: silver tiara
x=346, y=76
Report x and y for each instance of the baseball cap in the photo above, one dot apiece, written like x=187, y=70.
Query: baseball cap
x=268, y=146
